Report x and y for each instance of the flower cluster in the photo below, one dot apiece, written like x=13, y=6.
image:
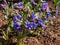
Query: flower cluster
x=16, y=21
x=44, y=6
x=34, y=17
x=33, y=21
x=19, y=5
x=30, y=25
x=26, y=17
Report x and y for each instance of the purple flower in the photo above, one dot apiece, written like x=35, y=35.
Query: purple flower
x=49, y=14
x=4, y=1
x=28, y=24
x=53, y=17
x=33, y=15
x=56, y=11
x=1, y=5
x=21, y=7
x=20, y=4
x=16, y=26
x=19, y=16
x=15, y=19
x=40, y=21
x=44, y=6
x=32, y=1
x=43, y=26
x=35, y=25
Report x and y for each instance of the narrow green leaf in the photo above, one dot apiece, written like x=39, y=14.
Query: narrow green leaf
x=55, y=2
x=19, y=42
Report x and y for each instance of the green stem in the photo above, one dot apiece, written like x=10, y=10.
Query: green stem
x=5, y=36
x=19, y=42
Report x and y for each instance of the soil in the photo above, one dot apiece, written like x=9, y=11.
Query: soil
x=50, y=36
x=3, y=20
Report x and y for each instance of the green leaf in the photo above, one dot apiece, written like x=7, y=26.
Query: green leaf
x=11, y=24
x=55, y=2
x=58, y=3
x=8, y=31
x=20, y=35
x=5, y=36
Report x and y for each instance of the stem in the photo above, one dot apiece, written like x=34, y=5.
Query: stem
x=5, y=36
x=19, y=42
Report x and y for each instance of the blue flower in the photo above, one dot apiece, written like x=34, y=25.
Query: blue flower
x=16, y=26
x=40, y=21
x=49, y=14
x=15, y=19
x=28, y=24
x=32, y=1
x=56, y=11
x=31, y=25
x=35, y=25
x=21, y=7
x=20, y=4
x=19, y=16
x=16, y=22
x=33, y=15
x=44, y=6
x=43, y=25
